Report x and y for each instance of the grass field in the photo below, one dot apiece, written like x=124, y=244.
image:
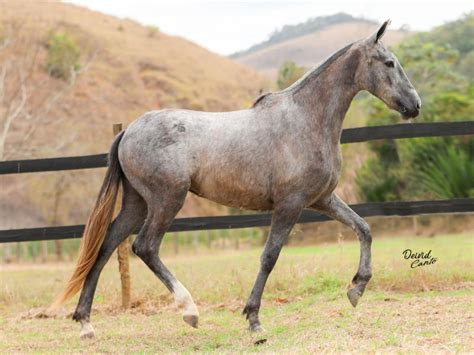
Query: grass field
x=424, y=309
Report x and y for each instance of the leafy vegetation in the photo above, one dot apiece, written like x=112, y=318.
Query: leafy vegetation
x=63, y=55
x=153, y=31
x=449, y=174
x=438, y=63
x=289, y=73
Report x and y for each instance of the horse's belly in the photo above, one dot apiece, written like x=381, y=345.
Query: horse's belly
x=235, y=193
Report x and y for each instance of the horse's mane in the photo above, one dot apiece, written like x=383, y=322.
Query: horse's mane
x=310, y=75
x=260, y=98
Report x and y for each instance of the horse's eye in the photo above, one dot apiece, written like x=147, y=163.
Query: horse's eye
x=389, y=63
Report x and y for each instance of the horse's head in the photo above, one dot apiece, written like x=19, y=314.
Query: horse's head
x=385, y=78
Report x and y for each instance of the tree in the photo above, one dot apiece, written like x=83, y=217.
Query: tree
x=29, y=86
x=27, y=93
x=63, y=56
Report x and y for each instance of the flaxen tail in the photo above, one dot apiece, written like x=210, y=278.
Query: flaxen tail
x=96, y=226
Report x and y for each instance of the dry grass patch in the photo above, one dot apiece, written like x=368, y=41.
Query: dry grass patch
x=304, y=307
x=407, y=323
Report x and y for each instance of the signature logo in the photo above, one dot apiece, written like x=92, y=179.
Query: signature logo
x=419, y=258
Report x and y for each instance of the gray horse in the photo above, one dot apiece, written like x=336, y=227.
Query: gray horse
x=283, y=155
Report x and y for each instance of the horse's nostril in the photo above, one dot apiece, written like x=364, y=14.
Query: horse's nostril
x=418, y=105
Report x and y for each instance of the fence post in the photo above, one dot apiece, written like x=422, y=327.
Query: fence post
x=122, y=251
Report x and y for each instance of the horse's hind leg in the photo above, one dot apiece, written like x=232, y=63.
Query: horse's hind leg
x=131, y=216
x=162, y=209
x=335, y=208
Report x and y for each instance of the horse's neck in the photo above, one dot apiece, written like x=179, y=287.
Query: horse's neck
x=325, y=98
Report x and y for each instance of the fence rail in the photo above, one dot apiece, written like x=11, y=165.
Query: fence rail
x=402, y=208
x=351, y=135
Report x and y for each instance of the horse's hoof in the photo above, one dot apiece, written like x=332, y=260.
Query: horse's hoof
x=192, y=320
x=87, y=335
x=256, y=328
x=87, y=332
x=353, y=294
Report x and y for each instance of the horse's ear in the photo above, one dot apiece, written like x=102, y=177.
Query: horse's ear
x=377, y=36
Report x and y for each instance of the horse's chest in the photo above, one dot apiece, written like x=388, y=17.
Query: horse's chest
x=319, y=174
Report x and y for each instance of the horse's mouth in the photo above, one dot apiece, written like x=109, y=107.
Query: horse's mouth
x=408, y=113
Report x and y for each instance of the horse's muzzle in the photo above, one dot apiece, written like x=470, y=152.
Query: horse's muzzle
x=409, y=110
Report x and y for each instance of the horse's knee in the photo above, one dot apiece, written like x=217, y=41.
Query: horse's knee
x=363, y=231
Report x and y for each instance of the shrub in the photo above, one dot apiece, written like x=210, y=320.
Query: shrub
x=377, y=183
x=289, y=73
x=63, y=55
x=153, y=31
x=449, y=174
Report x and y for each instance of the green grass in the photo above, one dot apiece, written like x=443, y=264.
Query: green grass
x=304, y=306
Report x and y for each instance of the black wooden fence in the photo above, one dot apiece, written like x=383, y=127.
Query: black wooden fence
x=353, y=135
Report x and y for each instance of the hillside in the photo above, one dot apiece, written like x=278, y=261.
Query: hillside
x=311, y=25
x=126, y=69
x=308, y=50
x=138, y=67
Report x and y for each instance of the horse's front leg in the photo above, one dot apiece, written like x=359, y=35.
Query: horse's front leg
x=285, y=215
x=335, y=208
